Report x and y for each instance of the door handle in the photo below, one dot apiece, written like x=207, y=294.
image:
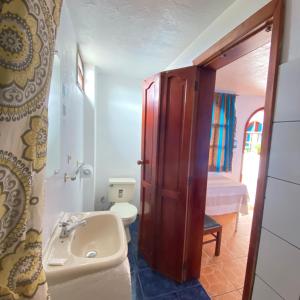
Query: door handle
x=140, y=162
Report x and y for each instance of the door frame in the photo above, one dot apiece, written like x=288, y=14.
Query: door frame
x=226, y=50
x=244, y=138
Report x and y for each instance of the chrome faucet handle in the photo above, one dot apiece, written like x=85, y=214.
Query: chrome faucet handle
x=68, y=227
x=64, y=223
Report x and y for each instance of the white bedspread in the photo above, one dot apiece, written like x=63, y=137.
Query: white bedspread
x=225, y=196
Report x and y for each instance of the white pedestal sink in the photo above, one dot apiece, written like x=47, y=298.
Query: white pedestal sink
x=91, y=263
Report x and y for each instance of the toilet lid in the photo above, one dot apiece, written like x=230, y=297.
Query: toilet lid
x=124, y=210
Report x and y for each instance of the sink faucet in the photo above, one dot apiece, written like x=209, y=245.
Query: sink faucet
x=67, y=228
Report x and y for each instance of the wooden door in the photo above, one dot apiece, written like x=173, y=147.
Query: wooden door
x=148, y=162
x=187, y=96
x=175, y=146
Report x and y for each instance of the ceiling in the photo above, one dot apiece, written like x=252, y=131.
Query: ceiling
x=247, y=75
x=139, y=37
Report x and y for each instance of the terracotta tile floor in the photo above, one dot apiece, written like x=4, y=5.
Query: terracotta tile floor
x=223, y=276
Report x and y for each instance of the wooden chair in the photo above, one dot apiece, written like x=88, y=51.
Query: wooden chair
x=215, y=229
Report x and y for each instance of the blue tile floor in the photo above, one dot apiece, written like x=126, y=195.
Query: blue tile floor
x=148, y=284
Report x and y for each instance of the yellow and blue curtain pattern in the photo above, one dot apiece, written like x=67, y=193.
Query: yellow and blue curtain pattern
x=222, y=133
x=27, y=36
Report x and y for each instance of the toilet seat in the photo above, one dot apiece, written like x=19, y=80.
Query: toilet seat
x=124, y=210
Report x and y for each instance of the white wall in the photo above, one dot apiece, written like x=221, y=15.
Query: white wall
x=89, y=135
x=245, y=106
x=278, y=268
x=118, y=131
x=61, y=196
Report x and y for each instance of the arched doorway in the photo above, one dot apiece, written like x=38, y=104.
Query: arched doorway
x=251, y=152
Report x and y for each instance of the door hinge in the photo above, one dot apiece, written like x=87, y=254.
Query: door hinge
x=190, y=180
x=196, y=85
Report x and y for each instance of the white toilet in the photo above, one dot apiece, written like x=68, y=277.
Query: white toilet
x=120, y=191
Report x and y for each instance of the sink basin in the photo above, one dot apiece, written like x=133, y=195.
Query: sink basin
x=100, y=234
x=98, y=245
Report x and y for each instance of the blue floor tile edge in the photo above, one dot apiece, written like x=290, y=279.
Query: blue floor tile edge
x=150, y=285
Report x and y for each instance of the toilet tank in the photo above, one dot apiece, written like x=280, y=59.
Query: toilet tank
x=121, y=189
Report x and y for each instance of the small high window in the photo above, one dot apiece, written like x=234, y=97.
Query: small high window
x=80, y=71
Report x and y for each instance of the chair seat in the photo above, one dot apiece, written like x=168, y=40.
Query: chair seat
x=214, y=229
x=210, y=223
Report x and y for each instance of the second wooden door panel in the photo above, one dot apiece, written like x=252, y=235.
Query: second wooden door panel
x=174, y=146
x=149, y=165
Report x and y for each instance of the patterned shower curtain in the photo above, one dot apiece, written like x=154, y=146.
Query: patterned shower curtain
x=27, y=35
x=222, y=133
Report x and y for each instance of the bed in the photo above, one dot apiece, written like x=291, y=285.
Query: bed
x=225, y=195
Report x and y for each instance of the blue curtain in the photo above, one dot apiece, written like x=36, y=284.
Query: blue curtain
x=222, y=132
